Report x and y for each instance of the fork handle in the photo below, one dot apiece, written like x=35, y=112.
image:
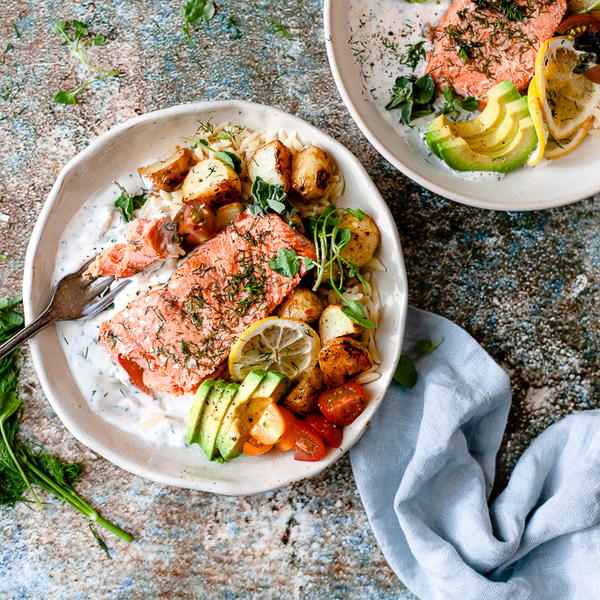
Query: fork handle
x=28, y=332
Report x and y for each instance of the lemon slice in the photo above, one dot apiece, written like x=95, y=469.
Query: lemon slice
x=285, y=345
x=535, y=111
x=567, y=99
x=555, y=149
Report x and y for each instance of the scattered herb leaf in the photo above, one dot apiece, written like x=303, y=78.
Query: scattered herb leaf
x=413, y=55
x=286, y=262
x=127, y=203
x=453, y=102
x=279, y=28
x=229, y=158
x=269, y=197
x=406, y=371
x=194, y=13
x=413, y=96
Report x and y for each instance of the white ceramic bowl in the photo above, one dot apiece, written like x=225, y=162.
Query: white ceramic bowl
x=122, y=150
x=567, y=179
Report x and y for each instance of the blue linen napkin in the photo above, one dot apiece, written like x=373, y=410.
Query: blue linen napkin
x=425, y=468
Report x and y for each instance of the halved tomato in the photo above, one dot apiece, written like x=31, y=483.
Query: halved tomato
x=332, y=434
x=288, y=439
x=308, y=446
x=342, y=404
x=196, y=223
x=255, y=448
x=577, y=24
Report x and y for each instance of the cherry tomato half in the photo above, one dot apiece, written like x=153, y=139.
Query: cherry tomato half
x=308, y=446
x=288, y=439
x=253, y=447
x=342, y=404
x=331, y=434
x=196, y=223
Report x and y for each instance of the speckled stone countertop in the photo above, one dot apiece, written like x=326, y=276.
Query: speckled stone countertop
x=525, y=285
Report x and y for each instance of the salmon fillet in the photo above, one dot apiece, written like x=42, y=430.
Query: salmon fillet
x=174, y=337
x=147, y=242
x=480, y=43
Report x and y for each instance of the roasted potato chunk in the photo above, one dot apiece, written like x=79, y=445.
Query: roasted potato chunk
x=211, y=182
x=304, y=397
x=273, y=164
x=342, y=359
x=301, y=304
x=334, y=323
x=312, y=170
x=168, y=174
x=227, y=214
x=364, y=239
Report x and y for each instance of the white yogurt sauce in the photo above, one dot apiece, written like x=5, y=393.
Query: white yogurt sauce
x=106, y=386
x=380, y=31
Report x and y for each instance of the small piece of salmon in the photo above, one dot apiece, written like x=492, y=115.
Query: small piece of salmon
x=478, y=45
x=147, y=242
x=174, y=337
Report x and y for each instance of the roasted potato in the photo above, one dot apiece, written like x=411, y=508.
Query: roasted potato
x=334, y=323
x=168, y=174
x=211, y=182
x=302, y=305
x=312, y=170
x=227, y=214
x=364, y=239
x=304, y=397
x=273, y=164
x=342, y=359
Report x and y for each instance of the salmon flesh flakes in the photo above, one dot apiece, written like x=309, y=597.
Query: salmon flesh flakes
x=174, y=337
x=480, y=43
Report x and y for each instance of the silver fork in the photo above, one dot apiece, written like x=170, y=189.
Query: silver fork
x=72, y=298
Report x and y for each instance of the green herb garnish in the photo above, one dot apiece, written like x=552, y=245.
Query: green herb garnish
x=286, y=262
x=282, y=30
x=413, y=96
x=269, y=198
x=78, y=38
x=23, y=466
x=583, y=63
x=229, y=158
x=233, y=29
x=406, y=371
x=329, y=240
x=453, y=102
x=413, y=55
x=194, y=13
x=127, y=203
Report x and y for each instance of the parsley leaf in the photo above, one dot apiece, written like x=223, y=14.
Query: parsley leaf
x=282, y=30
x=406, y=371
x=269, y=197
x=127, y=203
x=286, y=262
x=413, y=96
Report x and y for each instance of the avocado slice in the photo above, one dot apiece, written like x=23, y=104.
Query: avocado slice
x=229, y=443
x=195, y=414
x=457, y=153
x=272, y=387
x=217, y=403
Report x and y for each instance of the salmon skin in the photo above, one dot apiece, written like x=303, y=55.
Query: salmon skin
x=480, y=43
x=147, y=242
x=174, y=337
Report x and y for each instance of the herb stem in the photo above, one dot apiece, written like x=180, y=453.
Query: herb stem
x=594, y=6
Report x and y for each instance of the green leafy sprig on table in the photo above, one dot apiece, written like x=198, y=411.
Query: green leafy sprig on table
x=406, y=371
x=24, y=466
x=194, y=13
x=412, y=96
x=453, y=102
x=127, y=203
x=279, y=28
x=78, y=38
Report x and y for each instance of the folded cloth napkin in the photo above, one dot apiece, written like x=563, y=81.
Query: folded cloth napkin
x=425, y=468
